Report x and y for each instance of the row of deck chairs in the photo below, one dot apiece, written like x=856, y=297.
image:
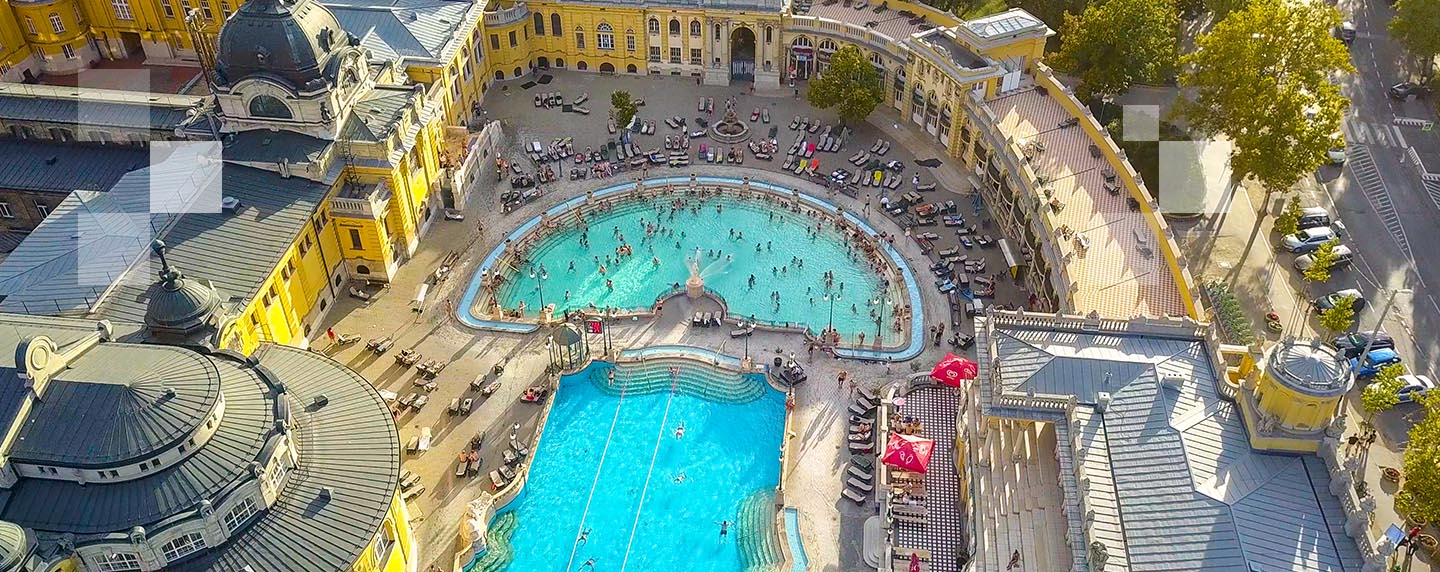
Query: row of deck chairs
x=860, y=475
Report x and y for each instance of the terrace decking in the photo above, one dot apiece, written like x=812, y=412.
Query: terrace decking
x=942, y=535
x=889, y=22
x=1121, y=273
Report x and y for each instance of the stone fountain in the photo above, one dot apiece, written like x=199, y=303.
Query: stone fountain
x=695, y=285
x=729, y=129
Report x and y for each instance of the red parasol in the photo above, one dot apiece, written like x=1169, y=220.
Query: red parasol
x=908, y=452
x=914, y=562
x=954, y=369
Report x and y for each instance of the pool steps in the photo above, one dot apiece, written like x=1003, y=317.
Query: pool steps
x=699, y=379
x=755, y=535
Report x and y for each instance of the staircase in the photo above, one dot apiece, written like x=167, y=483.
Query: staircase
x=755, y=533
x=695, y=378
x=1019, y=501
x=498, y=554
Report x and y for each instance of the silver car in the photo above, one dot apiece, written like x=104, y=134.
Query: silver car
x=1308, y=240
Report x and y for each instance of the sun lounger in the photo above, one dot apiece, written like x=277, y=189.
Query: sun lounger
x=863, y=461
x=909, y=509
x=507, y=472
x=462, y=466
x=497, y=480
x=861, y=447
x=859, y=486
x=860, y=437
x=412, y=493
x=863, y=403
x=861, y=474
x=858, y=497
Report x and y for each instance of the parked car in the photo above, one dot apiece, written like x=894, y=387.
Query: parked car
x=1312, y=217
x=1308, y=240
x=1414, y=386
x=1375, y=361
x=1343, y=257
x=1407, y=89
x=1346, y=32
x=1353, y=344
x=1336, y=155
x=1328, y=301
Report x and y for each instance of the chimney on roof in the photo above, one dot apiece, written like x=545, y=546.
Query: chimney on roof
x=1102, y=401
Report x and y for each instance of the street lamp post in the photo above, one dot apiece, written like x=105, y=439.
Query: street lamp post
x=831, y=298
x=540, y=278
x=1370, y=343
x=882, y=301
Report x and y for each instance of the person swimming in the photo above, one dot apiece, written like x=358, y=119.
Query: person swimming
x=680, y=431
x=680, y=478
x=584, y=535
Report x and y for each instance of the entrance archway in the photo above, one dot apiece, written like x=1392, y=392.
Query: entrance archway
x=544, y=62
x=607, y=68
x=801, y=55
x=742, y=54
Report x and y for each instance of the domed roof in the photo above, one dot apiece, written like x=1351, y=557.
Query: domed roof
x=178, y=305
x=1309, y=367
x=15, y=545
x=289, y=40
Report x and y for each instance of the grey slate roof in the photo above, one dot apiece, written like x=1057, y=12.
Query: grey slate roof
x=40, y=166
x=764, y=6
x=96, y=113
x=92, y=239
x=373, y=117
x=265, y=146
x=112, y=408
x=1174, y=475
x=350, y=445
x=408, y=29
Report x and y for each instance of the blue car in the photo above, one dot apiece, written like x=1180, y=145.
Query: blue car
x=1374, y=362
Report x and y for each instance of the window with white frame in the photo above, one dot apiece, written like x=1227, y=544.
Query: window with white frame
x=695, y=28
x=695, y=56
x=5, y=211
x=183, y=546
x=674, y=55
x=117, y=562
x=605, y=37
x=122, y=9
x=655, y=54
x=169, y=8
x=184, y=8
x=579, y=39
x=240, y=514
x=674, y=26
x=630, y=40
x=30, y=25
x=205, y=10
x=68, y=51
x=276, y=474
x=79, y=16
x=653, y=26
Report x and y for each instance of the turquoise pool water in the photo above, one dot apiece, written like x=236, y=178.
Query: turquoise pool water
x=792, y=260
x=608, y=464
x=798, y=561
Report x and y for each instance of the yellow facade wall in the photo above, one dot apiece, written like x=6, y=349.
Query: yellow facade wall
x=401, y=555
x=13, y=48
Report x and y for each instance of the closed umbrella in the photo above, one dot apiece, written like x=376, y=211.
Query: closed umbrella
x=954, y=369
x=914, y=562
x=908, y=452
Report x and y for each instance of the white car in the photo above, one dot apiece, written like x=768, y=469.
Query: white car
x=1336, y=155
x=1414, y=386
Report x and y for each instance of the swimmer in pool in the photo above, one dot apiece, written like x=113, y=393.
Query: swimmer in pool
x=680, y=431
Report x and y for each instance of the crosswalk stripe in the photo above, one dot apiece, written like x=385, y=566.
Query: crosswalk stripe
x=1362, y=166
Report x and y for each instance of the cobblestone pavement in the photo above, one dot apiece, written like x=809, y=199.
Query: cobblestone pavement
x=830, y=525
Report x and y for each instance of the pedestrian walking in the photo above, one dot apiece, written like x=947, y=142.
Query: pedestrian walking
x=330, y=333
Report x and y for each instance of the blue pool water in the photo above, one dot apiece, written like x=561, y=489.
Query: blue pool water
x=727, y=261
x=798, y=561
x=728, y=452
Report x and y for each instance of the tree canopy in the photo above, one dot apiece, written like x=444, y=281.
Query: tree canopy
x=850, y=84
x=1323, y=260
x=1419, y=496
x=624, y=106
x=1289, y=220
x=1416, y=24
x=1262, y=78
x=1340, y=317
x=1117, y=43
x=1384, y=391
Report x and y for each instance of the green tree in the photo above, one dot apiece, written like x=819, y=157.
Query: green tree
x=1262, y=78
x=1383, y=391
x=1340, y=317
x=1419, y=496
x=1117, y=43
x=1416, y=24
x=1289, y=221
x=850, y=85
x=1324, y=259
x=1222, y=8
x=624, y=106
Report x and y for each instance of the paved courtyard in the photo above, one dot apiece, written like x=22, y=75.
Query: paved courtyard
x=830, y=525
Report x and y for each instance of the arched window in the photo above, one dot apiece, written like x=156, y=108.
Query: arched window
x=695, y=28
x=581, y=65
x=559, y=62
x=653, y=26
x=631, y=69
x=718, y=31
x=944, y=130
x=499, y=74
x=555, y=24
x=56, y=23
x=519, y=72
x=604, y=37
x=269, y=106
x=801, y=41
x=674, y=26
x=579, y=38
x=539, y=24
x=932, y=113
x=769, y=34
x=828, y=45
x=607, y=67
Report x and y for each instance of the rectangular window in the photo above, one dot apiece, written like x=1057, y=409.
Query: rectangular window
x=69, y=51
x=276, y=475
x=355, y=240
x=240, y=514
x=122, y=10
x=205, y=10
x=169, y=7
x=5, y=211
x=42, y=208
x=605, y=41
x=512, y=39
x=494, y=41
x=225, y=10
x=579, y=40
x=183, y=546
x=630, y=43
x=30, y=25
x=79, y=16
x=694, y=56
x=655, y=54
x=674, y=55
x=184, y=8
x=122, y=562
